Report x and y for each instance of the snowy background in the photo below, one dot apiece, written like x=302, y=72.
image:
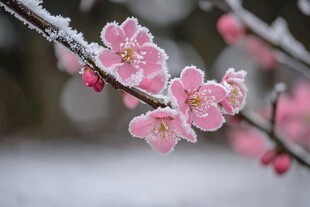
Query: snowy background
x=61, y=144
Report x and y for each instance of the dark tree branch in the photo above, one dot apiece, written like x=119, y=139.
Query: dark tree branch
x=295, y=63
x=256, y=121
x=69, y=42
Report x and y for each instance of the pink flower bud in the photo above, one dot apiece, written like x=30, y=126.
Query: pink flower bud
x=99, y=86
x=268, y=157
x=282, y=163
x=89, y=77
x=230, y=28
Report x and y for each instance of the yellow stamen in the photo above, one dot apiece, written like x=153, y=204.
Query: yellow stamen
x=234, y=95
x=195, y=100
x=128, y=54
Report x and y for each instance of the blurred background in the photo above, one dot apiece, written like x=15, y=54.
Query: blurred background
x=62, y=144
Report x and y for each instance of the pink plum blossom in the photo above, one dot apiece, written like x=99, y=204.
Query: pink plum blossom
x=293, y=115
x=152, y=85
x=130, y=101
x=162, y=128
x=67, y=60
x=248, y=141
x=230, y=28
x=131, y=53
x=261, y=52
x=198, y=101
x=234, y=83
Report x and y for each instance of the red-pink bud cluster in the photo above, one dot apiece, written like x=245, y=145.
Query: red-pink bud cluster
x=281, y=161
x=91, y=79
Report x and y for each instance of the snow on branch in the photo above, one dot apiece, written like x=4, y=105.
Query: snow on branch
x=56, y=28
x=278, y=33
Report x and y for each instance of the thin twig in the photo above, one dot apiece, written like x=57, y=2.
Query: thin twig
x=258, y=122
x=283, y=56
x=278, y=89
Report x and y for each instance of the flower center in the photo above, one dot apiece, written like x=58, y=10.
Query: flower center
x=200, y=101
x=195, y=100
x=163, y=128
x=234, y=95
x=131, y=53
x=128, y=54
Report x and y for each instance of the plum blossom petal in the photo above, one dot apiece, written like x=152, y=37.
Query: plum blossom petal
x=186, y=132
x=141, y=126
x=192, y=78
x=67, y=60
x=143, y=36
x=153, y=59
x=301, y=91
x=154, y=85
x=130, y=26
x=178, y=95
x=161, y=128
x=161, y=113
x=151, y=85
x=161, y=145
x=215, y=90
x=247, y=141
x=128, y=75
x=109, y=59
x=113, y=36
x=212, y=122
x=130, y=101
x=228, y=107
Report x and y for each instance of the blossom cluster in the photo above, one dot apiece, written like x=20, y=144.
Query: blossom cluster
x=292, y=121
x=193, y=102
x=135, y=60
x=234, y=31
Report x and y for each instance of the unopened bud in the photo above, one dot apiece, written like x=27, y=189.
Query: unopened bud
x=282, y=163
x=268, y=157
x=99, y=85
x=89, y=77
